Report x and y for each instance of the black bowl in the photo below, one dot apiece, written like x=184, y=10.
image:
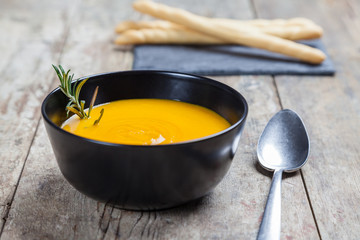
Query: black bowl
x=147, y=177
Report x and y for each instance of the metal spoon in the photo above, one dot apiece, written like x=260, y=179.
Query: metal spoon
x=283, y=146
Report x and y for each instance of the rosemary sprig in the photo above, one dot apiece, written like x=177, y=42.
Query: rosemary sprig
x=75, y=105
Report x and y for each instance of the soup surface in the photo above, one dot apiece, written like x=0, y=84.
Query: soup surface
x=147, y=122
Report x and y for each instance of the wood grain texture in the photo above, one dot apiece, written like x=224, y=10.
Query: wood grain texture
x=79, y=35
x=330, y=109
x=28, y=44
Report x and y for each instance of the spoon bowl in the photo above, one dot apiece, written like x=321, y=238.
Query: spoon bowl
x=283, y=146
x=284, y=143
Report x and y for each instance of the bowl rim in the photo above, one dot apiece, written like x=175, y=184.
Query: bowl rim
x=161, y=72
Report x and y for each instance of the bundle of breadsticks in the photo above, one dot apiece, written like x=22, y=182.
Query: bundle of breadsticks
x=178, y=26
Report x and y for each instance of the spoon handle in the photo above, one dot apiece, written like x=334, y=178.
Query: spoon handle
x=270, y=227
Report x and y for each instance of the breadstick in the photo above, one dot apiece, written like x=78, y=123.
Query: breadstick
x=247, y=38
x=159, y=24
x=293, y=33
x=260, y=23
x=292, y=29
x=165, y=36
x=279, y=22
x=287, y=29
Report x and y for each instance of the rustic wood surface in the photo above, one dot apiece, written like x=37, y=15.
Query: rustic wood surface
x=319, y=202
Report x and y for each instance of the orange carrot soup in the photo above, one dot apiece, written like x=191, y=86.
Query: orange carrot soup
x=147, y=122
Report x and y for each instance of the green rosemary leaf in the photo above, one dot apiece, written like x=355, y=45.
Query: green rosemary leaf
x=62, y=70
x=64, y=78
x=69, y=104
x=71, y=78
x=82, y=104
x=71, y=109
x=78, y=88
x=66, y=108
x=67, y=84
x=56, y=70
x=72, y=91
x=59, y=75
x=73, y=105
x=98, y=120
x=93, y=100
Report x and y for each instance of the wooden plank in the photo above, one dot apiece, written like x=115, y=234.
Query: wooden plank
x=330, y=108
x=88, y=44
x=46, y=206
x=32, y=38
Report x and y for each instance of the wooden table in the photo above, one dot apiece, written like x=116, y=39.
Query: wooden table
x=322, y=201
